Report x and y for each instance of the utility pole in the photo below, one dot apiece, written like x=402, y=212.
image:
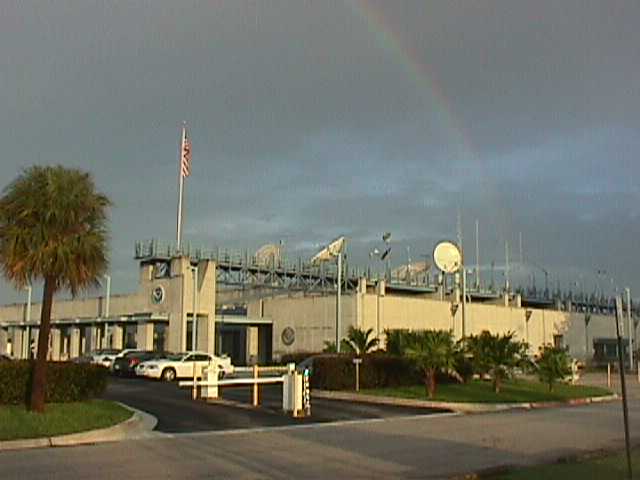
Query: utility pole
x=506, y=267
x=107, y=305
x=477, y=256
x=627, y=291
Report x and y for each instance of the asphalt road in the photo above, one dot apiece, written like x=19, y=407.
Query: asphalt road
x=178, y=413
x=426, y=446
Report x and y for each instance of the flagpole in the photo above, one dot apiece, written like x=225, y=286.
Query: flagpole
x=180, y=190
x=338, y=302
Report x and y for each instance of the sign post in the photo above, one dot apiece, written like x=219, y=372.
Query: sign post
x=357, y=362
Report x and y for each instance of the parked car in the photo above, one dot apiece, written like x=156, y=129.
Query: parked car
x=126, y=364
x=104, y=356
x=182, y=365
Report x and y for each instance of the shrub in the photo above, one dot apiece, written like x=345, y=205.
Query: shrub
x=553, y=364
x=497, y=355
x=397, y=340
x=66, y=382
x=434, y=353
x=378, y=370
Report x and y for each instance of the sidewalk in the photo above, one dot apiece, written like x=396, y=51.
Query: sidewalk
x=139, y=425
x=457, y=407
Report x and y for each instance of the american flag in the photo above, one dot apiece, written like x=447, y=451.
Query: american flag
x=185, y=155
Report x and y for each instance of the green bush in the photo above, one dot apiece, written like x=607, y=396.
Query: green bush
x=377, y=370
x=66, y=382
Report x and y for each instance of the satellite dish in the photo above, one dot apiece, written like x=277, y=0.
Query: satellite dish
x=447, y=257
x=269, y=254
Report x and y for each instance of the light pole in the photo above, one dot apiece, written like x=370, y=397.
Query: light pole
x=194, y=316
x=627, y=292
x=26, y=340
x=107, y=305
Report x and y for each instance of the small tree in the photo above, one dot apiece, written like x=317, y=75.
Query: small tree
x=359, y=341
x=496, y=355
x=553, y=364
x=396, y=341
x=53, y=228
x=433, y=351
x=329, y=347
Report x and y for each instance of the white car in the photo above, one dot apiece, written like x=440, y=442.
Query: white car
x=182, y=365
x=103, y=357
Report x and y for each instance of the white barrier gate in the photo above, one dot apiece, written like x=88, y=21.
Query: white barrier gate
x=296, y=392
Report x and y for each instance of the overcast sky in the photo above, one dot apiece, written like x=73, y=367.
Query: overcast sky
x=311, y=120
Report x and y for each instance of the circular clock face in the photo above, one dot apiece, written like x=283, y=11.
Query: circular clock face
x=288, y=336
x=157, y=294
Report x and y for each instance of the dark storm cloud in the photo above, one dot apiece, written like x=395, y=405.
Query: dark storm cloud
x=310, y=120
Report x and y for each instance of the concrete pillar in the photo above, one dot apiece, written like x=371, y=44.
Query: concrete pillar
x=17, y=342
x=4, y=338
x=74, y=342
x=54, y=351
x=206, y=341
x=144, y=336
x=115, y=332
x=94, y=338
x=252, y=345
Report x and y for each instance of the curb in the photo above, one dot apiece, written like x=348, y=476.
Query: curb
x=139, y=425
x=460, y=407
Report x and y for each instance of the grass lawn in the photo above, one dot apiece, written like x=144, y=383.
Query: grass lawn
x=59, y=418
x=610, y=467
x=482, y=392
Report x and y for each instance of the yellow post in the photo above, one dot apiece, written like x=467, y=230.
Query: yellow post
x=256, y=401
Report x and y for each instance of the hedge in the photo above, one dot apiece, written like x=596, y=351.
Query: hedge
x=377, y=370
x=66, y=381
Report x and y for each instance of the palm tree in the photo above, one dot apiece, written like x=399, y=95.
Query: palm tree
x=53, y=227
x=496, y=355
x=434, y=351
x=553, y=364
x=360, y=341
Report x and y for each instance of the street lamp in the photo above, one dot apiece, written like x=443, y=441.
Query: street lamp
x=107, y=305
x=194, y=316
x=26, y=339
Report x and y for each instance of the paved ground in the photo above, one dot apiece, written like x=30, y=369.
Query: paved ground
x=389, y=446
x=426, y=446
x=177, y=412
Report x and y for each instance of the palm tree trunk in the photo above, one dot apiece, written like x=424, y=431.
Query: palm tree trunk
x=431, y=383
x=40, y=369
x=496, y=383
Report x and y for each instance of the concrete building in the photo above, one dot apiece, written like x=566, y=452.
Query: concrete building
x=257, y=325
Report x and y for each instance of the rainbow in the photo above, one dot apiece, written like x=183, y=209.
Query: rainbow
x=390, y=39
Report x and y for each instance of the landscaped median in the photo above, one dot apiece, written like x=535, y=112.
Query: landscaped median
x=17, y=423
x=478, y=396
x=72, y=413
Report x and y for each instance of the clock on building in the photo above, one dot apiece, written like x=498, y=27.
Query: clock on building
x=157, y=294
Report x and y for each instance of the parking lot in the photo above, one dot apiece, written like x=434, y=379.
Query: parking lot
x=178, y=413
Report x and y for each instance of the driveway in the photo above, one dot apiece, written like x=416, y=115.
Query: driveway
x=178, y=413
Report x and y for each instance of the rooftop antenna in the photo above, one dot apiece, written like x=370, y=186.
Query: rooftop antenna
x=506, y=266
x=477, y=255
x=520, y=241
